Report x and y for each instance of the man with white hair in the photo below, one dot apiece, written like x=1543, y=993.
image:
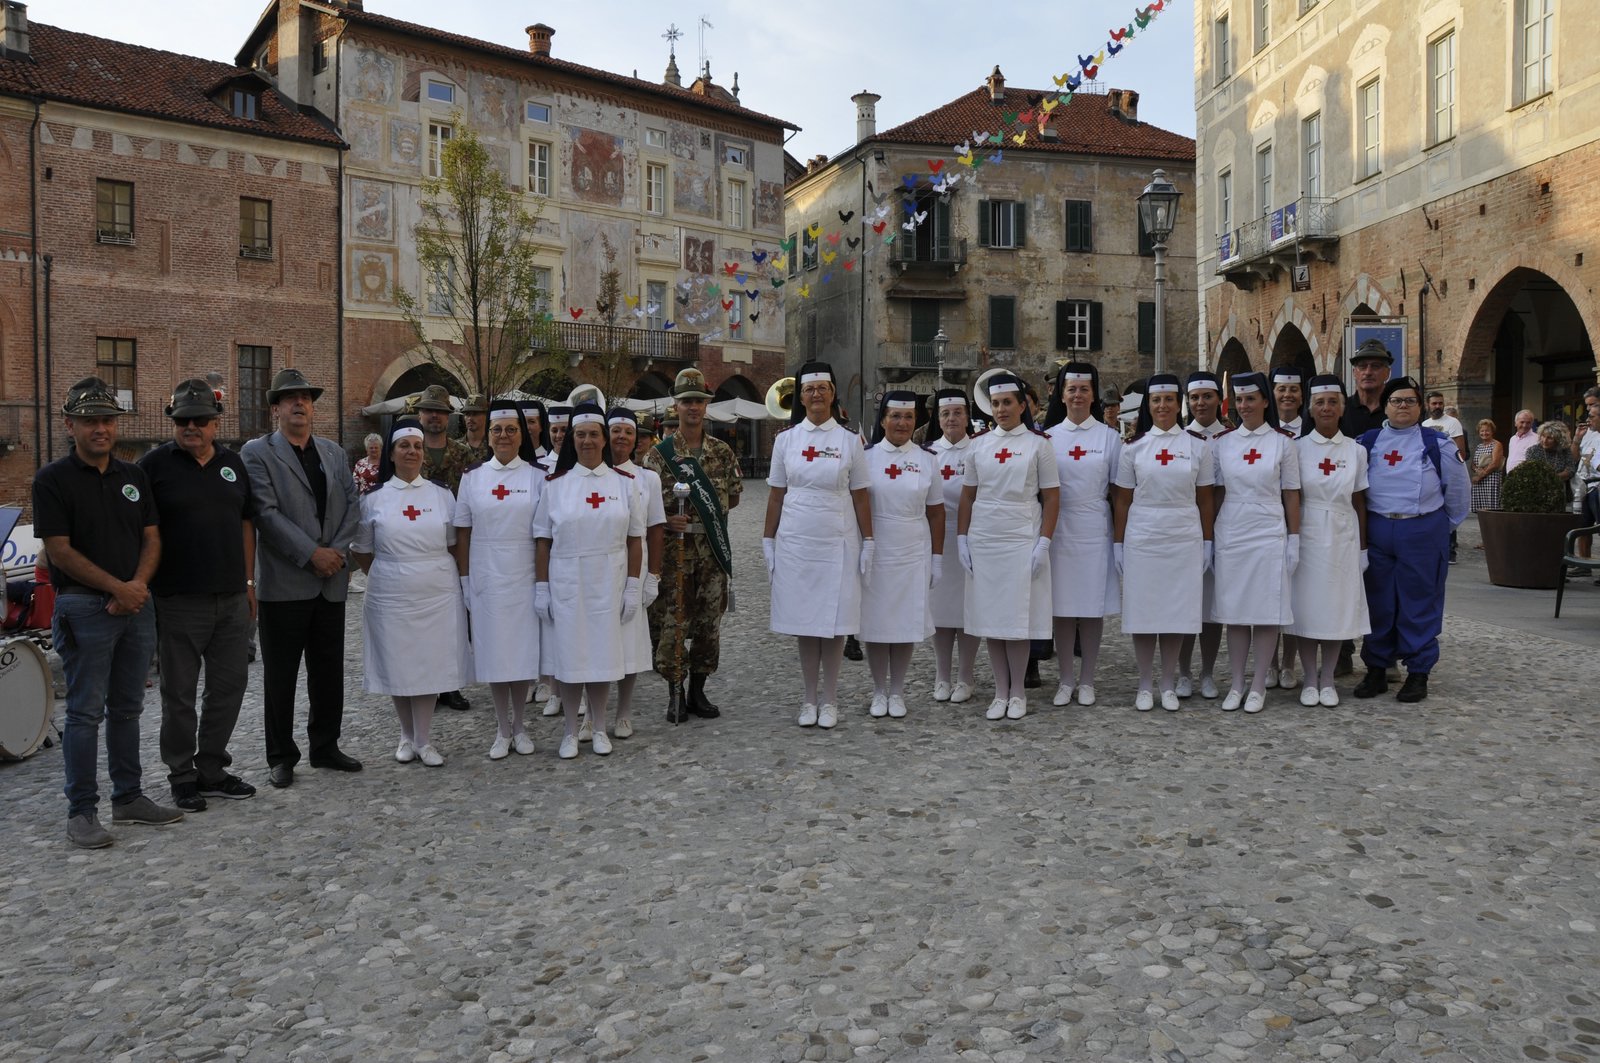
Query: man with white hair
x=1525, y=439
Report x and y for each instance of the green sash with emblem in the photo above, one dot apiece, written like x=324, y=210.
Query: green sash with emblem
x=703, y=493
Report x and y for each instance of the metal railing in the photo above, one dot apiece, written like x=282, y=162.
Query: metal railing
x=1307, y=218
x=923, y=354
x=583, y=337
x=948, y=252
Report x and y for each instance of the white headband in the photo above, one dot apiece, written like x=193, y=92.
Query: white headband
x=1245, y=389
x=401, y=433
x=621, y=420
x=1287, y=378
x=1318, y=389
x=1203, y=385
x=809, y=377
x=900, y=404
x=560, y=418
x=1162, y=389
x=953, y=400
x=502, y=414
x=587, y=418
x=1002, y=387
x=1077, y=376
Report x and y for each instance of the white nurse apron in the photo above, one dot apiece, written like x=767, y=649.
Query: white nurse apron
x=1005, y=598
x=816, y=580
x=636, y=655
x=1252, y=576
x=1329, y=601
x=948, y=597
x=1162, y=552
x=497, y=502
x=1083, y=575
x=894, y=601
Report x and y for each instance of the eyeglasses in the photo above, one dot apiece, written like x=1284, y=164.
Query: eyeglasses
x=198, y=422
x=816, y=389
x=1402, y=403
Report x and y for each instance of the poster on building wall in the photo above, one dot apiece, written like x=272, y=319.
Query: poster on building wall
x=1390, y=331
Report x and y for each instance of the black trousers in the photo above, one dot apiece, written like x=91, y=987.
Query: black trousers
x=312, y=629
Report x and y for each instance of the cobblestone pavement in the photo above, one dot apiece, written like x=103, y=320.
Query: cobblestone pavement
x=1375, y=881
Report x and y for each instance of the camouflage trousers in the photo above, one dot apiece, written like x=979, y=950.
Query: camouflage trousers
x=705, y=590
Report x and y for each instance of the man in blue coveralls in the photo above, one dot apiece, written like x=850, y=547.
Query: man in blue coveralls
x=1417, y=493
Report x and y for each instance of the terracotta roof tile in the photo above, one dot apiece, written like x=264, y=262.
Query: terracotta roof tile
x=522, y=55
x=1086, y=126
x=114, y=76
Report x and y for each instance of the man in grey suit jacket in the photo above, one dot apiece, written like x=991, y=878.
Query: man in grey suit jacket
x=307, y=513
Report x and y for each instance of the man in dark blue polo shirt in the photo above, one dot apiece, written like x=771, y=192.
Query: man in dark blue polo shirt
x=98, y=523
x=204, y=594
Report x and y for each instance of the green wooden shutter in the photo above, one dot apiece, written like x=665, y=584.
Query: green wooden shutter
x=1094, y=327
x=983, y=223
x=1061, y=325
x=1147, y=328
x=1020, y=223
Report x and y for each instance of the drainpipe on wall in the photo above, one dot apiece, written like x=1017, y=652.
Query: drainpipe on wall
x=40, y=399
x=49, y=387
x=338, y=243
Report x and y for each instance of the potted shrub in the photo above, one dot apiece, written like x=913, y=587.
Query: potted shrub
x=1523, y=539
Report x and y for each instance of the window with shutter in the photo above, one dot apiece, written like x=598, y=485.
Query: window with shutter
x=1147, y=328
x=1096, y=338
x=1002, y=322
x=1080, y=225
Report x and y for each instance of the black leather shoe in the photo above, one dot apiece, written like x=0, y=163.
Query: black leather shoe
x=454, y=699
x=677, y=703
x=336, y=761
x=852, y=648
x=1376, y=682
x=282, y=776
x=1415, y=688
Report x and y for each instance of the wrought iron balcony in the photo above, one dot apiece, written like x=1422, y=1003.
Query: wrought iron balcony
x=655, y=345
x=1302, y=230
x=900, y=362
x=948, y=254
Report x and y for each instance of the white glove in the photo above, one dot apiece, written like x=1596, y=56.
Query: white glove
x=1292, y=555
x=1364, y=561
x=964, y=552
x=1210, y=555
x=936, y=569
x=652, y=590
x=867, y=551
x=769, y=550
x=542, y=604
x=1041, y=552
x=466, y=590
x=631, y=594
x=1116, y=555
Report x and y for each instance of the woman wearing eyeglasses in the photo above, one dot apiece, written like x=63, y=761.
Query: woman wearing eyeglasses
x=955, y=653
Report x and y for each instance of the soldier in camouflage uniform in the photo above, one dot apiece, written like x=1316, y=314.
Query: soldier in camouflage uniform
x=703, y=574
x=444, y=460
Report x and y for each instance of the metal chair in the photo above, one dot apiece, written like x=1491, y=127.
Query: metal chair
x=1570, y=557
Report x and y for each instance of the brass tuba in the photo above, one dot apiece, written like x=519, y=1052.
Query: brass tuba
x=980, y=390
x=587, y=393
x=780, y=399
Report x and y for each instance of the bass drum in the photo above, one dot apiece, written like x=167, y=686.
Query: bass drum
x=26, y=698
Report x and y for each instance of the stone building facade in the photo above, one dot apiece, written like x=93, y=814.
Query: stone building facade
x=124, y=244
x=1423, y=162
x=1024, y=263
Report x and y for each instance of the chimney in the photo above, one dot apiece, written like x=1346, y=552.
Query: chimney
x=294, y=52
x=866, y=114
x=997, y=86
x=1124, y=103
x=14, y=42
x=539, y=38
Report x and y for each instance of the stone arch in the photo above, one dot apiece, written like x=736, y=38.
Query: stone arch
x=417, y=362
x=738, y=387
x=1475, y=329
x=1364, y=290
x=1232, y=359
x=1291, y=315
x=650, y=385
x=1229, y=334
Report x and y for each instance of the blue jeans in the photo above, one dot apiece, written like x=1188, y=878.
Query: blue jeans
x=106, y=660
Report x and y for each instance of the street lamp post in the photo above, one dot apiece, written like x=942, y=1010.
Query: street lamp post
x=1158, y=210
x=940, y=343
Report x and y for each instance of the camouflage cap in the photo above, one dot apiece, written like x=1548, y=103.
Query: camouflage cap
x=690, y=384
x=92, y=397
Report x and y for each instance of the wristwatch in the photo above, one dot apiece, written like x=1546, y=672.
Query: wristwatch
x=249, y=583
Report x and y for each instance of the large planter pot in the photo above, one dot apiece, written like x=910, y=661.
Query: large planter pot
x=1524, y=549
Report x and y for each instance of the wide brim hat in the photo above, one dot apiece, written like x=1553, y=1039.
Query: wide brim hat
x=690, y=384
x=291, y=380
x=194, y=398
x=476, y=403
x=92, y=397
x=435, y=397
x=1372, y=350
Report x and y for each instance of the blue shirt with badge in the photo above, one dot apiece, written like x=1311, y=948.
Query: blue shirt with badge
x=1402, y=479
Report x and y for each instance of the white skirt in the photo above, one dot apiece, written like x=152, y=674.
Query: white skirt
x=1004, y=600
x=1252, y=584
x=947, y=600
x=1162, y=561
x=415, y=628
x=894, y=601
x=586, y=597
x=505, y=627
x=1330, y=601
x=1083, y=575
x=816, y=582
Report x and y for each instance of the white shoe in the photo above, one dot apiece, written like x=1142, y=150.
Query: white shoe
x=1086, y=695
x=879, y=706
x=1328, y=697
x=552, y=705
x=808, y=715
x=1272, y=679
x=406, y=753
x=569, y=747
x=1184, y=687
x=501, y=748
x=1169, y=700
x=541, y=693
x=997, y=710
x=1208, y=688
x=1231, y=702
x=827, y=716
x=1016, y=708
x=430, y=756
x=1308, y=696
x=602, y=744
x=1144, y=701
x=897, y=707
x=960, y=692
x=1255, y=703
x=623, y=729
x=585, y=732
x=522, y=743
x=941, y=692
x=1063, y=695
x=1287, y=680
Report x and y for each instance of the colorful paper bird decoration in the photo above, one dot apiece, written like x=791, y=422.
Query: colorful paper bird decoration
x=730, y=268
x=759, y=256
x=777, y=282
x=846, y=215
x=805, y=291
x=910, y=180
x=1073, y=82
x=854, y=242
x=829, y=256
x=1091, y=72
x=631, y=300
x=1113, y=49
x=787, y=245
x=752, y=293
x=575, y=311
x=935, y=165
x=849, y=263
x=1085, y=62
x=879, y=226
x=1116, y=35
x=814, y=229
x=669, y=324
x=833, y=238
x=727, y=304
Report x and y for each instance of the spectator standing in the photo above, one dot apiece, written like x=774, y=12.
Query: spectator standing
x=1488, y=471
x=366, y=470
x=1524, y=440
x=1370, y=366
x=1555, y=450
x=1440, y=420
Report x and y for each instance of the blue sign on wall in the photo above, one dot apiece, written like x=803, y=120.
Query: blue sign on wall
x=1392, y=335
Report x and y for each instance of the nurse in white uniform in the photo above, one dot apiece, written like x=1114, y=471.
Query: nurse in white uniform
x=1204, y=392
x=415, y=638
x=589, y=531
x=623, y=428
x=494, y=548
x=908, y=524
x=1289, y=400
x=1161, y=531
x=817, y=539
x=1083, y=579
x=538, y=422
x=1329, y=606
x=950, y=639
x=1258, y=536
x=1009, y=500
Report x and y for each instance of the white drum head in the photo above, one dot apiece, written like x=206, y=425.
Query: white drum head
x=26, y=697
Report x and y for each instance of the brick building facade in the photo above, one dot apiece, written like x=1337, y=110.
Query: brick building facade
x=125, y=249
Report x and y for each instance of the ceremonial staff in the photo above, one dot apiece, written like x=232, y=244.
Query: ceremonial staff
x=675, y=706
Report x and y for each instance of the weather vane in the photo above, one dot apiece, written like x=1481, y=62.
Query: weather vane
x=671, y=37
x=705, y=59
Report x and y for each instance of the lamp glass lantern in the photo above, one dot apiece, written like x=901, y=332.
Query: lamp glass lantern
x=1158, y=207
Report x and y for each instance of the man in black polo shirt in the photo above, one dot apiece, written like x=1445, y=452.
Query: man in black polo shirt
x=1369, y=366
x=98, y=523
x=205, y=596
